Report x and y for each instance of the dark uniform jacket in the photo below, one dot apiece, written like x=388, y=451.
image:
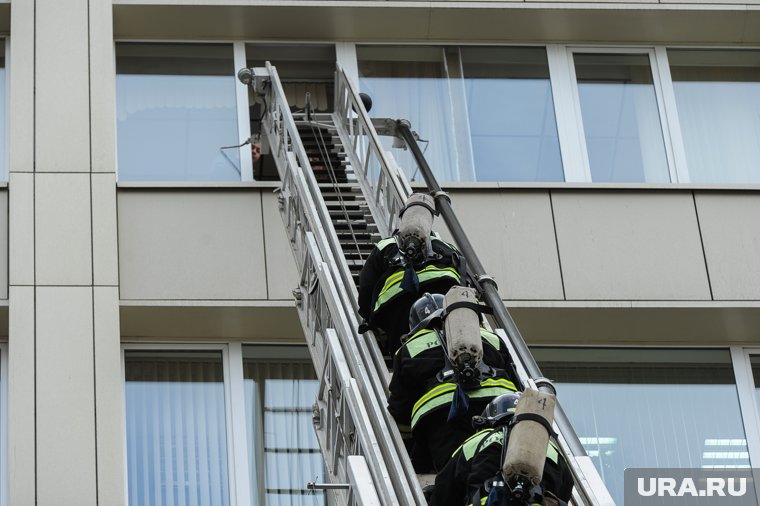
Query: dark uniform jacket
x=383, y=304
x=461, y=482
x=420, y=403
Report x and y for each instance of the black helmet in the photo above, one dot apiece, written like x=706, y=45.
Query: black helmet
x=498, y=412
x=424, y=311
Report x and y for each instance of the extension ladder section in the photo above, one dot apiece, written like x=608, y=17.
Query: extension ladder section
x=340, y=192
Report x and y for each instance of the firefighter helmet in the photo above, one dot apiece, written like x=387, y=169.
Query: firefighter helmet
x=424, y=311
x=498, y=412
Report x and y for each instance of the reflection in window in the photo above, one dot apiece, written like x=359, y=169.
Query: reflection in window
x=485, y=114
x=176, y=435
x=718, y=99
x=302, y=68
x=511, y=114
x=649, y=408
x=175, y=110
x=412, y=83
x=283, y=451
x=620, y=118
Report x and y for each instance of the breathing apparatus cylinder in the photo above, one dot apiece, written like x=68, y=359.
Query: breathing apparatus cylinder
x=528, y=440
x=462, y=329
x=416, y=224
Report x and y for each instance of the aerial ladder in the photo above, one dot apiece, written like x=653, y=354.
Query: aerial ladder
x=340, y=192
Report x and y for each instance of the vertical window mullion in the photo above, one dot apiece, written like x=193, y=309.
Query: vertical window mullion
x=572, y=139
x=244, y=124
x=237, y=443
x=671, y=127
x=745, y=388
x=345, y=56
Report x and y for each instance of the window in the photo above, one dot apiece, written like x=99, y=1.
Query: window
x=303, y=69
x=511, y=114
x=485, y=114
x=176, y=428
x=621, y=119
x=183, y=407
x=176, y=111
x=649, y=408
x=279, y=394
x=718, y=99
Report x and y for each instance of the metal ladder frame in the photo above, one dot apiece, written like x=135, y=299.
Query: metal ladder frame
x=350, y=415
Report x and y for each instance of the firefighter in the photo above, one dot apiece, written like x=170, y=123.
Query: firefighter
x=429, y=400
x=402, y=267
x=473, y=474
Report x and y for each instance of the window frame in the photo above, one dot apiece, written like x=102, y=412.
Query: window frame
x=663, y=106
x=234, y=407
x=240, y=488
x=748, y=404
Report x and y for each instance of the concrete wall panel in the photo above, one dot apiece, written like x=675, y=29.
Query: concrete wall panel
x=191, y=245
x=102, y=87
x=21, y=408
x=104, y=236
x=513, y=234
x=21, y=82
x=63, y=234
x=630, y=246
x=21, y=229
x=62, y=86
x=282, y=275
x=731, y=237
x=65, y=396
x=109, y=400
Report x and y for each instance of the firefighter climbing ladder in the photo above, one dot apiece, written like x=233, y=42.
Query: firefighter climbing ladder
x=340, y=193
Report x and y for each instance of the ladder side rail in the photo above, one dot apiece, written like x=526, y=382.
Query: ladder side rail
x=281, y=132
x=341, y=421
x=377, y=177
x=295, y=194
x=382, y=183
x=504, y=318
x=288, y=151
x=361, y=483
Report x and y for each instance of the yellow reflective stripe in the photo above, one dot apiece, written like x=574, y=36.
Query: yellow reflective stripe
x=442, y=399
x=552, y=452
x=492, y=338
x=392, y=287
x=498, y=382
x=381, y=245
x=486, y=440
x=433, y=392
x=421, y=342
x=479, y=435
x=444, y=393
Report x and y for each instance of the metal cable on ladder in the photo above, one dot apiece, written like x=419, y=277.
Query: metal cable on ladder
x=323, y=153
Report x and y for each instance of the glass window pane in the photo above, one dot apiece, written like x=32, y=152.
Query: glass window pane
x=649, y=408
x=718, y=99
x=176, y=109
x=412, y=83
x=511, y=114
x=176, y=428
x=621, y=118
x=284, y=455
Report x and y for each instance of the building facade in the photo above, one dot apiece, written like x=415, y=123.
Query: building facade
x=603, y=156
